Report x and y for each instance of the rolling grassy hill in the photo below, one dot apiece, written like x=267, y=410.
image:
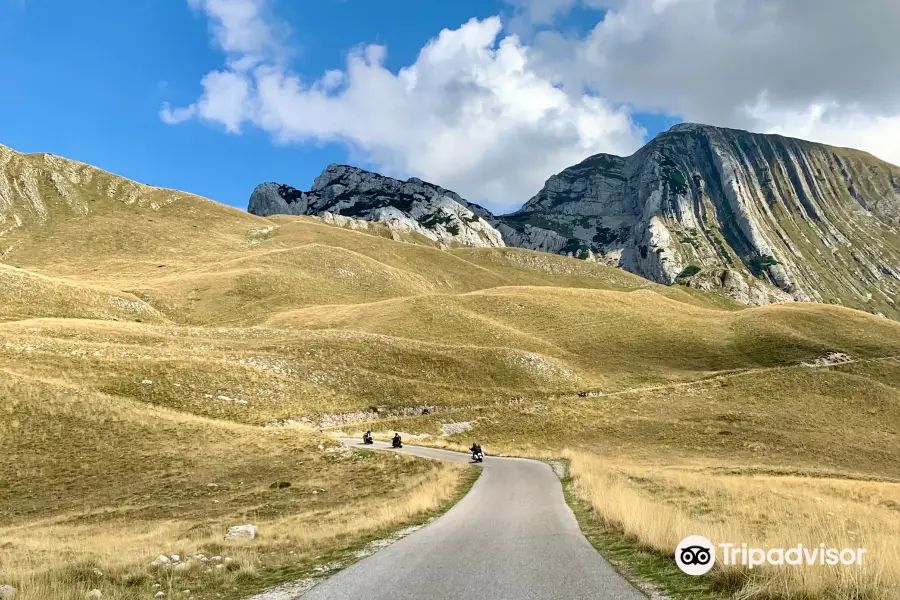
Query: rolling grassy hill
x=151, y=341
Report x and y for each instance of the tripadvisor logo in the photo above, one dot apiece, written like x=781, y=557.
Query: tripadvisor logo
x=696, y=555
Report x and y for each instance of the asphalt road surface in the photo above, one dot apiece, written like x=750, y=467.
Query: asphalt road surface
x=513, y=537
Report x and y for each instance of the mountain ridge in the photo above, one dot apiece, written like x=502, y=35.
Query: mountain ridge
x=759, y=218
x=414, y=205
x=168, y=360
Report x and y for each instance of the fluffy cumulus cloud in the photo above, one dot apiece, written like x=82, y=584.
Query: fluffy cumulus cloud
x=491, y=116
x=822, y=70
x=470, y=114
x=835, y=124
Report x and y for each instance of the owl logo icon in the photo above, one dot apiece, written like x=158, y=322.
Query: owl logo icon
x=695, y=555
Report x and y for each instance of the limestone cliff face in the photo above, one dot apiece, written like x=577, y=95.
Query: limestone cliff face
x=438, y=214
x=758, y=218
x=762, y=218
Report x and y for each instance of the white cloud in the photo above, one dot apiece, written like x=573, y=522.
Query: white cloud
x=713, y=56
x=226, y=99
x=244, y=29
x=470, y=114
x=715, y=61
x=492, y=117
x=833, y=124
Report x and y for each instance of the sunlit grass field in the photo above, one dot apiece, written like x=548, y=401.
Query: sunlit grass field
x=165, y=360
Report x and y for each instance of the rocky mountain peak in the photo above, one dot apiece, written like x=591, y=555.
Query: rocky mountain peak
x=412, y=205
x=759, y=218
x=690, y=127
x=762, y=218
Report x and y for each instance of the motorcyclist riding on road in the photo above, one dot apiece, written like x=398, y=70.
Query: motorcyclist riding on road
x=397, y=442
x=476, y=450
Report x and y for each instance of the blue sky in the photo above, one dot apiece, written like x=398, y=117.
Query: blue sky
x=485, y=97
x=88, y=79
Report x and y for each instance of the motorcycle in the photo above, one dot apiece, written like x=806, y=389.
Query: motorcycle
x=396, y=443
x=367, y=439
x=478, y=457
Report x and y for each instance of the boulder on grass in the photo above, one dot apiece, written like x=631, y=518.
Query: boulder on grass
x=241, y=532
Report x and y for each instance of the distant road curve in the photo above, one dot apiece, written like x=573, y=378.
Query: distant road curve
x=513, y=537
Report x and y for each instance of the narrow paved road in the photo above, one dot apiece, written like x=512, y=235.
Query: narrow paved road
x=513, y=537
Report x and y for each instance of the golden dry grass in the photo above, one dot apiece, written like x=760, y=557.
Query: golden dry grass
x=25, y=295
x=658, y=506
x=147, y=335
x=99, y=482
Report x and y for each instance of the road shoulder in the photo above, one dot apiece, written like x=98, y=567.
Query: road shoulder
x=652, y=572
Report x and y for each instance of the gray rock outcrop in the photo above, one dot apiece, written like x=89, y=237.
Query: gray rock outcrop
x=757, y=218
x=413, y=205
x=760, y=218
x=239, y=532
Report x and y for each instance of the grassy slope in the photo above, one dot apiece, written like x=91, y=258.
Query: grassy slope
x=90, y=460
x=58, y=298
x=244, y=320
x=108, y=483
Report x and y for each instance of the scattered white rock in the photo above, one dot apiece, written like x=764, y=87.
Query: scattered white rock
x=176, y=558
x=159, y=594
x=341, y=451
x=373, y=547
x=288, y=591
x=182, y=566
x=830, y=359
x=328, y=568
x=7, y=592
x=216, y=559
x=147, y=382
x=97, y=572
x=212, y=485
x=241, y=532
x=160, y=560
x=95, y=593
x=455, y=428
x=538, y=366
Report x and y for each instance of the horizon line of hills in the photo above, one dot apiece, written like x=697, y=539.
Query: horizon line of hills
x=757, y=218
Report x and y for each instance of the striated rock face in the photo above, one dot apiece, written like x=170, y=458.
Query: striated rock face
x=761, y=218
x=412, y=205
x=30, y=184
x=758, y=218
